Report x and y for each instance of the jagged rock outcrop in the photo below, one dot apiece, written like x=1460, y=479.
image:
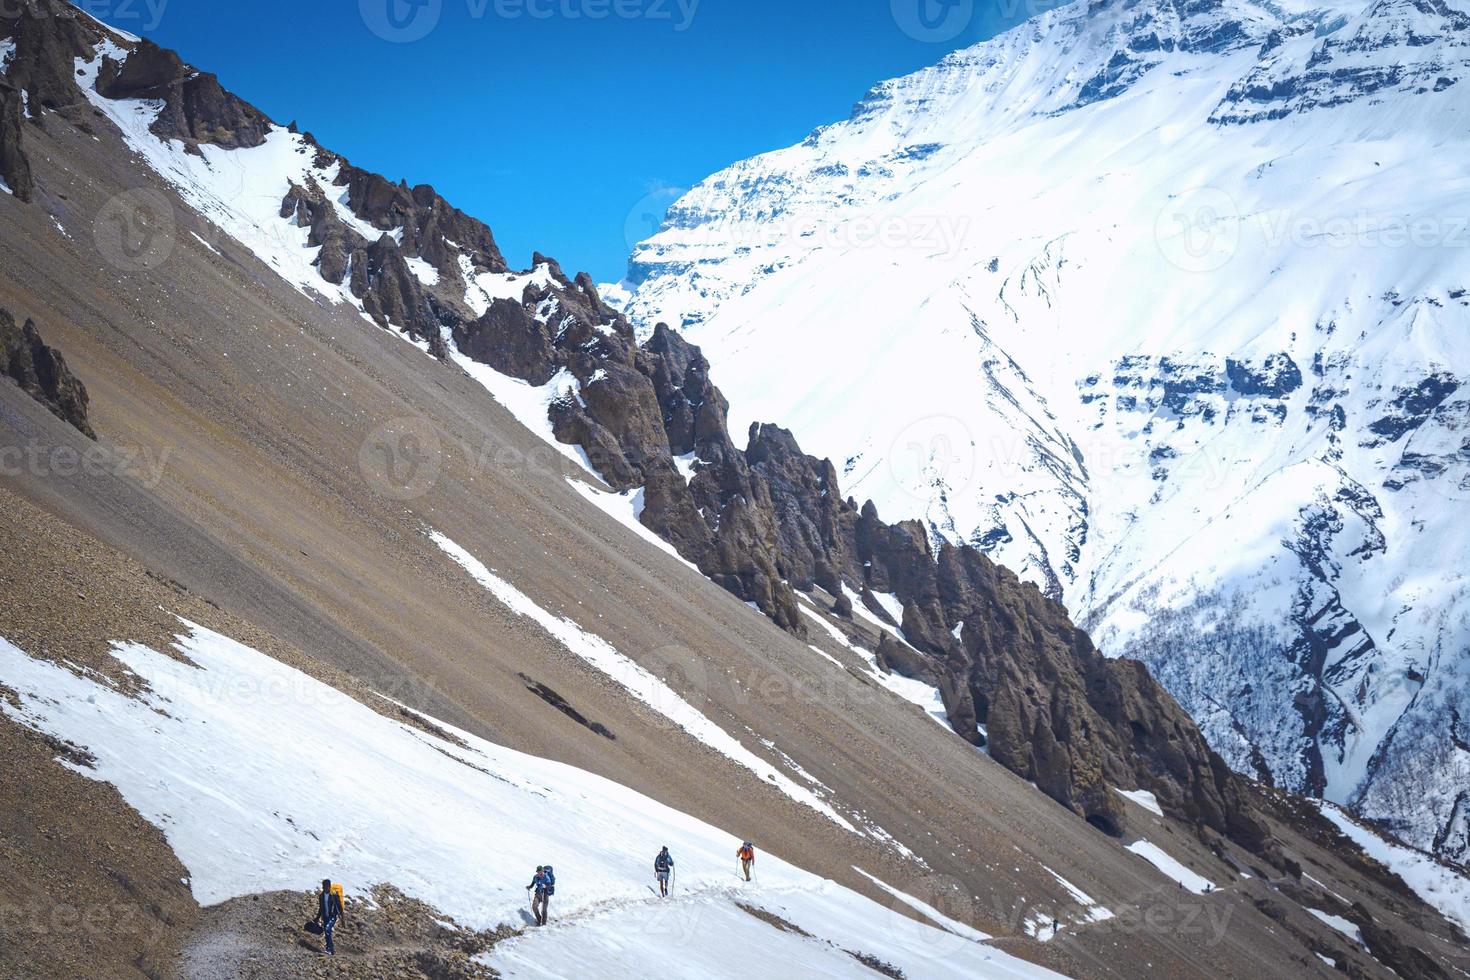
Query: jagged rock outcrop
x=390, y=292
x=377, y=270
x=42, y=373
x=15, y=166
x=1007, y=658
x=49, y=36
x=196, y=108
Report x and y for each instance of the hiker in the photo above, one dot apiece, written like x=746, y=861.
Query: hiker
x=545, y=885
x=746, y=854
x=663, y=866
x=328, y=911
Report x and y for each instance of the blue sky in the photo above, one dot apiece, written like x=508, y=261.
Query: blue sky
x=563, y=124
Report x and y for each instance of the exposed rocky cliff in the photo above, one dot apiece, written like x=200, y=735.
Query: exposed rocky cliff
x=48, y=37
x=15, y=166
x=42, y=372
x=197, y=109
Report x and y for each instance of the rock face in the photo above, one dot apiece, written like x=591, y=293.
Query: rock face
x=411, y=225
x=48, y=36
x=43, y=373
x=15, y=166
x=197, y=109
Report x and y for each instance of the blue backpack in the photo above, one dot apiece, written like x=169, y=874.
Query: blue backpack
x=550, y=881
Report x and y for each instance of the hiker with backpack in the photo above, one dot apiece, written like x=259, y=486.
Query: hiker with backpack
x=545, y=885
x=663, y=867
x=746, y=854
x=328, y=910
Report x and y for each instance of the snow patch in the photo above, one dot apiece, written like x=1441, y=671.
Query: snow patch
x=1342, y=925
x=926, y=696
x=528, y=403
x=1171, y=868
x=484, y=288
x=928, y=911
x=626, y=508
x=1143, y=798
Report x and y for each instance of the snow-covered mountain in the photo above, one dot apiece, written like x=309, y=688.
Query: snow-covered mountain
x=1164, y=305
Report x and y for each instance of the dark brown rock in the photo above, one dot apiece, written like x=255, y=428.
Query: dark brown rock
x=49, y=36
x=1391, y=950
x=512, y=341
x=196, y=107
x=42, y=372
x=390, y=292
x=15, y=166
